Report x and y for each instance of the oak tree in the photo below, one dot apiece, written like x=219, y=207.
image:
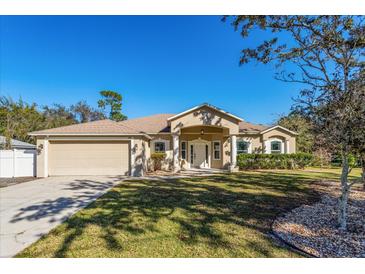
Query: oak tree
x=328, y=55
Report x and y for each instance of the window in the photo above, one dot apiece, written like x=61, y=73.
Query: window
x=216, y=150
x=275, y=147
x=191, y=154
x=183, y=150
x=206, y=153
x=160, y=147
x=242, y=147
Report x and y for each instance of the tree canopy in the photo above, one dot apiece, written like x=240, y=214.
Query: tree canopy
x=113, y=101
x=303, y=126
x=328, y=53
x=18, y=118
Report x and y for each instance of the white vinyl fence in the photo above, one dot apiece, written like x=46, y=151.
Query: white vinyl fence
x=18, y=163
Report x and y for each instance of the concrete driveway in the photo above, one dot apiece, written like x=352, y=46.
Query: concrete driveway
x=32, y=209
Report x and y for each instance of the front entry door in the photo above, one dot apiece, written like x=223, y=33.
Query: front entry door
x=200, y=155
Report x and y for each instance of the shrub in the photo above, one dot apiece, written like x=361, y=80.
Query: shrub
x=274, y=161
x=337, y=160
x=158, y=158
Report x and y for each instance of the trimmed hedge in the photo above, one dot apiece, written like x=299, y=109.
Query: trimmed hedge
x=274, y=161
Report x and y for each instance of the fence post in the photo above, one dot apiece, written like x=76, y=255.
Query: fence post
x=14, y=162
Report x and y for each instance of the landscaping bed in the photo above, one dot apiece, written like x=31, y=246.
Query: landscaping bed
x=313, y=228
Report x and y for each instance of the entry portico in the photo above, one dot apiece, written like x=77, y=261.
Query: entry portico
x=203, y=132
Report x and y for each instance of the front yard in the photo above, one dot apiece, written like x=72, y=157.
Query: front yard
x=225, y=215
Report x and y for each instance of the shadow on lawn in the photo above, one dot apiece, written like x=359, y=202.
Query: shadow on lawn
x=250, y=200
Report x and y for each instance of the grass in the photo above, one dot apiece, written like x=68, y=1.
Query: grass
x=225, y=215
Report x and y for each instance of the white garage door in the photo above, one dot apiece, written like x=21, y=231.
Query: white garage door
x=88, y=158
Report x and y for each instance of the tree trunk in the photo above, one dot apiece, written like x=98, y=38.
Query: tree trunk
x=362, y=161
x=342, y=214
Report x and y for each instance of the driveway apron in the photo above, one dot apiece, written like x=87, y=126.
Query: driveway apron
x=32, y=209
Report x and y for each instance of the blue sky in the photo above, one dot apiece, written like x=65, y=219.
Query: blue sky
x=160, y=64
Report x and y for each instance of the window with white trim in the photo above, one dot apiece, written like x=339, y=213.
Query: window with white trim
x=275, y=147
x=183, y=150
x=159, y=146
x=242, y=146
x=216, y=150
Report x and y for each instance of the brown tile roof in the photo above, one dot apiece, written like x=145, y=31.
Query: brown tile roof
x=248, y=127
x=158, y=123
x=149, y=124
x=95, y=127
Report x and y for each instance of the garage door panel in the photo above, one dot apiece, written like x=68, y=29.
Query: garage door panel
x=88, y=158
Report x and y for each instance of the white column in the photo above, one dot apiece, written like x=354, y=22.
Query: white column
x=266, y=147
x=287, y=148
x=175, y=152
x=14, y=162
x=133, y=158
x=45, y=160
x=233, y=151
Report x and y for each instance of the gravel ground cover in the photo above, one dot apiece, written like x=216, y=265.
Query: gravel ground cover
x=313, y=228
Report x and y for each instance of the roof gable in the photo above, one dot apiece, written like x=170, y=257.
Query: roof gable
x=278, y=127
x=246, y=127
x=201, y=106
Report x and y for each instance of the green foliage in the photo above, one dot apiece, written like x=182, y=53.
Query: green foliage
x=158, y=158
x=298, y=123
x=203, y=217
x=113, y=100
x=321, y=159
x=274, y=161
x=57, y=116
x=17, y=119
x=85, y=113
x=353, y=161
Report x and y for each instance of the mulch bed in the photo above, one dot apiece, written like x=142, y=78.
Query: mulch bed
x=313, y=228
x=4, y=182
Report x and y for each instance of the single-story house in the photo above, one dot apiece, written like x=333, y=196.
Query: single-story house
x=201, y=137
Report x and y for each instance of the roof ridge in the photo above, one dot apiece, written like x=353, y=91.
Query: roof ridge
x=142, y=117
x=77, y=124
x=209, y=106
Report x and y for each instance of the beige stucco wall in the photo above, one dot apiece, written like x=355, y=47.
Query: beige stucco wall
x=207, y=137
x=167, y=163
x=191, y=135
x=205, y=116
x=258, y=141
x=40, y=157
x=142, y=150
x=142, y=153
x=282, y=135
x=222, y=134
x=217, y=127
x=254, y=140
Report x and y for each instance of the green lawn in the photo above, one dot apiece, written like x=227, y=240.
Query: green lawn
x=225, y=215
